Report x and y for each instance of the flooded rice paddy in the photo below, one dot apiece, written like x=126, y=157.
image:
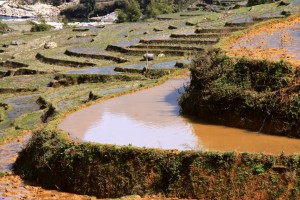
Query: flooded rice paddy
x=111, y=69
x=150, y=118
x=95, y=70
x=20, y=105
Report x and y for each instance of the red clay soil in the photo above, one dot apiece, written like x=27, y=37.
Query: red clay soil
x=13, y=187
x=239, y=46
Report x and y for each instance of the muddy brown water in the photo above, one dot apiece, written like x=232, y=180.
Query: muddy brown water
x=150, y=118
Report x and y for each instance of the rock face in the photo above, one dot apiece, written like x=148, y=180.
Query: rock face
x=28, y=11
x=110, y=18
x=50, y=45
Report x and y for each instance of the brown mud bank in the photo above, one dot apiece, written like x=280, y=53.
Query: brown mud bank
x=108, y=171
x=257, y=95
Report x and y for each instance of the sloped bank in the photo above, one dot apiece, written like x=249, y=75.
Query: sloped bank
x=108, y=171
x=74, y=79
x=258, y=95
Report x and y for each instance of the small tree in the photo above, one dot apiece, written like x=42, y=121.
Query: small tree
x=157, y=7
x=134, y=10
x=89, y=6
x=122, y=16
x=131, y=11
x=40, y=27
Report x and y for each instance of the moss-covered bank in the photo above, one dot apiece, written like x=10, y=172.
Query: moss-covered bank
x=108, y=171
x=253, y=94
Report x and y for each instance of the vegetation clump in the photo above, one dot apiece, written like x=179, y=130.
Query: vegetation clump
x=4, y=27
x=40, y=27
x=108, y=171
x=130, y=13
x=258, y=2
x=133, y=10
x=258, y=95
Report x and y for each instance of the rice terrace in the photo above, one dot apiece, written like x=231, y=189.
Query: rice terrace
x=150, y=99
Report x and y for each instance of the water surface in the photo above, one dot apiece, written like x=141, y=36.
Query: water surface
x=150, y=118
x=95, y=70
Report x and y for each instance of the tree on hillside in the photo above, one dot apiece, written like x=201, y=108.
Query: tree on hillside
x=89, y=6
x=131, y=12
x=157, y=7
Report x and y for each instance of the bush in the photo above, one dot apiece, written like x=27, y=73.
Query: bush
x=257, y=95
x=258, y=2
x=259, y=169
x=130, y=13
x=108, y=171
x=3, y=27
x=90, y=7
x=157, y=7
x=40, y=27
x=78, y=11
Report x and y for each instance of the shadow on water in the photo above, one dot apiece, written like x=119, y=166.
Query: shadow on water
x=173, y=97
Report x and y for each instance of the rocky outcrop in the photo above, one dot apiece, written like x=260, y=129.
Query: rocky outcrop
x=28, y=11
x=50, y=45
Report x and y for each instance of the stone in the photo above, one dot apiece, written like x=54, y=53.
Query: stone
x=16, y=42
x=161, y=55
x=149, y=56
x=54, y=83
x=50, y=45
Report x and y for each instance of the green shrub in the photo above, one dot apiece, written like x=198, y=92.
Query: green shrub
x=257, y=95
x=109, y=171
x=259, y=169
x=130, y=13
x=78, y=11
x=3, y=27
x=40, y=27
x=90, y=7
x=257, y=2
x=157, y=7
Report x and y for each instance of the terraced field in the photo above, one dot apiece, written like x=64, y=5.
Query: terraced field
x=92, y=64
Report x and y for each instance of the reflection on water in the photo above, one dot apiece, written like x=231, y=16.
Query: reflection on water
x=150, y=118
x=122, y=129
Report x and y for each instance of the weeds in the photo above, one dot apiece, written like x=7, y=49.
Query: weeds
x=109, y=171
x=234, y=89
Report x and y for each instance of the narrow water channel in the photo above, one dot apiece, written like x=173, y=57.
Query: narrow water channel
x=150, y=118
